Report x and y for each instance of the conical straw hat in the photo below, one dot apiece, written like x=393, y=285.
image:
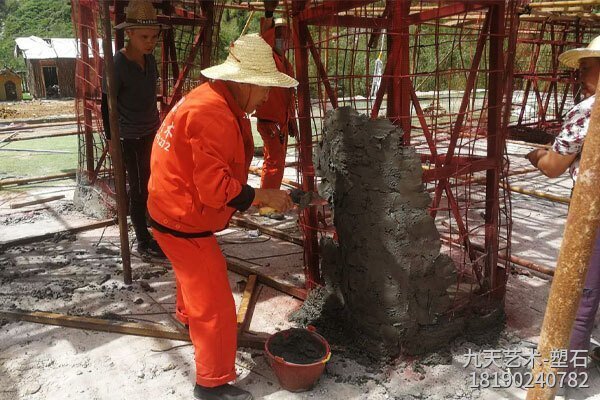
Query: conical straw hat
x=571, y=57
x=250, y=60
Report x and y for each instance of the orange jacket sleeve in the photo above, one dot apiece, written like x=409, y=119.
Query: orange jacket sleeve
x=212, y=139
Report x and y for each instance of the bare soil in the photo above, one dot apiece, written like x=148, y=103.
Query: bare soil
x=36, y=108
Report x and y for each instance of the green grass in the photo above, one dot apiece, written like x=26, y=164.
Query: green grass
x=17, y=164
x=27, y=96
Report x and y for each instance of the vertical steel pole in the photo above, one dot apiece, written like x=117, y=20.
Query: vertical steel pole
x=398, y=101
x=120, y=17
x=495, y=140
x=86, y=21
x=311, y=245
x=115, y=145
x=207, y=32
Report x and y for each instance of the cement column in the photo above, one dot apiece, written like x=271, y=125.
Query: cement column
x=575, y=253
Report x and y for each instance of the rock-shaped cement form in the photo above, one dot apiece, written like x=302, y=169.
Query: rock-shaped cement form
x=385, y=277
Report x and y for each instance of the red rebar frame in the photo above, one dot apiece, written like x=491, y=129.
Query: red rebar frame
x=192, y=33
x=456, y=148
x=400, y=19
x=544, y=89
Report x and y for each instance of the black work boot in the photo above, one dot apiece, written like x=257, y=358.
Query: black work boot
x=223, y=392
x=150, y=248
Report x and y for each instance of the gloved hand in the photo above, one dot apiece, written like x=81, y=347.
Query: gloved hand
x=280, y=200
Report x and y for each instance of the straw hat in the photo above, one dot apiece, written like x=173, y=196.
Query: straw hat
x=250, y=60
x=140, y=14
x=571, y=57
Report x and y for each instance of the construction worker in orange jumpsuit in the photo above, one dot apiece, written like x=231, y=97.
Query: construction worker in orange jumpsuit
x=274, y=117
x=198, y=180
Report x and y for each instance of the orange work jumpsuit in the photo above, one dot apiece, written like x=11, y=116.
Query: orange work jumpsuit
x=199, y=171
x=273, y=118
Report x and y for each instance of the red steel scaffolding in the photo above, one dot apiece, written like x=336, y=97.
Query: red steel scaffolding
x=184, y=49
x=544, y=89
x=440, y=70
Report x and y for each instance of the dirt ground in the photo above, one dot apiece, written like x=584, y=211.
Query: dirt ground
x=81, y=275
x=36, y=108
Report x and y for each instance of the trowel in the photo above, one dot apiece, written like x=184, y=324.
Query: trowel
x=306, y=199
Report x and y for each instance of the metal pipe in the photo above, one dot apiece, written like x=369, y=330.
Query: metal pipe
x=522, y=262
x=115, y=145
x=535, y=193
x=565, y=3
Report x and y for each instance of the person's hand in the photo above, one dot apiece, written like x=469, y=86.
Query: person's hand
x=274, y=198
x=535, y=155
x=292, y=129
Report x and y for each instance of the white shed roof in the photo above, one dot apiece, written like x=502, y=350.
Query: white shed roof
x=35, y=48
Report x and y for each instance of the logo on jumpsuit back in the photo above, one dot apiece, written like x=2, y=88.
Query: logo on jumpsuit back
x=163, y=141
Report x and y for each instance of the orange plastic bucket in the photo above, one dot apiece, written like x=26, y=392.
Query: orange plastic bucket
x=306, y=352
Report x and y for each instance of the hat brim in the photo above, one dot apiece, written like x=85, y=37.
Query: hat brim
x=132, y=25
x=571, y=58
x=230, y=72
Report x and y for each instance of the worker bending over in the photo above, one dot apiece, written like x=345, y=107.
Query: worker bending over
x=198, y=180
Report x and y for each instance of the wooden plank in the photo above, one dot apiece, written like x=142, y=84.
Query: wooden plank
x=248, y=292
x=246, y=269
x=44, y=236
x=37, y=201
x=250, y=312
x=252, y=340
x=22, y=181
x=25, y=126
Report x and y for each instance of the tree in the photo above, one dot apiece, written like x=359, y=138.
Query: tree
x=43, y=18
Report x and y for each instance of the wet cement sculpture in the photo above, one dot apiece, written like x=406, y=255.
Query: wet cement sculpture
x=386, y=281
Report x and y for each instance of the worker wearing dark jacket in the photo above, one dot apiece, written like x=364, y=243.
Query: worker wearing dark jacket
x=136, y=75
x=198, y=180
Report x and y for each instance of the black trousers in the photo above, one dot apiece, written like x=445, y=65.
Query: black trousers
x=136, y=156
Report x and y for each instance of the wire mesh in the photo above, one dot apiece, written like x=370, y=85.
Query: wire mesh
x=184, y=49
x=545, y=89
x=438, y=70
